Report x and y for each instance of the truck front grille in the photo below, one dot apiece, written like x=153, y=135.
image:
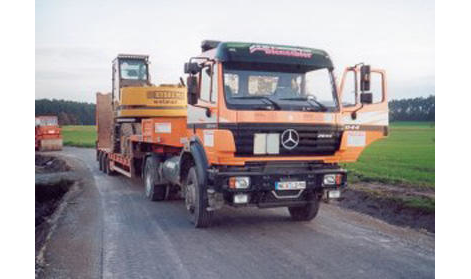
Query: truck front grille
x=314, y=139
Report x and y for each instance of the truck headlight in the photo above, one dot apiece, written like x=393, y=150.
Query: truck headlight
x=332, y=179
x=239, y=182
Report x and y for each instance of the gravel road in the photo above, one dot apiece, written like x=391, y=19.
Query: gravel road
x=109, y=230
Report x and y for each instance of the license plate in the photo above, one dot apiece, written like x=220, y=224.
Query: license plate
x=334, y=194
x=290, y=185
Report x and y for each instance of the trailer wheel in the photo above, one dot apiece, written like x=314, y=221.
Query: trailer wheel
x=153, y=191
x=103, y=161
x=196, y=201
x=108, y=171
x=305, y=213
x=100, y=161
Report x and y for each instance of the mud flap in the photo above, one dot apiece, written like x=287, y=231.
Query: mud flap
x=50, y=144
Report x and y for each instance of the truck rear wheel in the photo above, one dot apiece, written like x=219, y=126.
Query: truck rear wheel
x=305, y=213
x=100, y=161
x=107, y=170
x=153, y=191
x=196, y=201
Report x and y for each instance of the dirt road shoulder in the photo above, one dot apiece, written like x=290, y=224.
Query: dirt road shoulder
x=74, y=244
x=397, y=205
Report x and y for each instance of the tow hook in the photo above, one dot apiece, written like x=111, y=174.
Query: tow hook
x=215, y=200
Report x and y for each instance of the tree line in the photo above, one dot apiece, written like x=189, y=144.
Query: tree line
x=77, y=113
x=415, y=109
x=68, y=112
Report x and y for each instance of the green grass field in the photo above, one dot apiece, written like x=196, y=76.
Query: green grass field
x=81, y=136
x=407, y=156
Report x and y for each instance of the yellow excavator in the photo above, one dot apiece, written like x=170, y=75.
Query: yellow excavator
x=134, y=98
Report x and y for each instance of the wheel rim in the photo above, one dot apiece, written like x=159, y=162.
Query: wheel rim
x=190, y=197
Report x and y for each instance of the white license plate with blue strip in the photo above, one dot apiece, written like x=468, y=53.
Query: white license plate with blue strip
x=290, y=185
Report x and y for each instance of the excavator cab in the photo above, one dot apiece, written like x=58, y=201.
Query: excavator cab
x=134, y=99
x=129, y=71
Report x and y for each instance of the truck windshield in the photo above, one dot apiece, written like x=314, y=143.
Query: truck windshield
x=133, y=69
x=290, y=89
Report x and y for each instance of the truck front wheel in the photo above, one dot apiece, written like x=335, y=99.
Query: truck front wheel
x=153, y=191
x=305, y=213
x=196, y=201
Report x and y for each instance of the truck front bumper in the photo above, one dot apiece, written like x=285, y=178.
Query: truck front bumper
x=262, y=191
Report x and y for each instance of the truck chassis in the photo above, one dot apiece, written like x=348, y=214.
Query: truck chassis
x=170, y=172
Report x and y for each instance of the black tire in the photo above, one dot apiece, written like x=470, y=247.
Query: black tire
x=196, y=201
x=173, y=193
x=100, y=161
x=107, y=169
x=153, y=191
x=305, y=213
x=103, y=162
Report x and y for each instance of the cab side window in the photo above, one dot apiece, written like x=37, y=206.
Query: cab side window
x=349, y=94
x=205, y=84
x=376, y=87
x=214, y=92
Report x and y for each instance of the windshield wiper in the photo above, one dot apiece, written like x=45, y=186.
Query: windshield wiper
x=275, y=104
x=308, y=100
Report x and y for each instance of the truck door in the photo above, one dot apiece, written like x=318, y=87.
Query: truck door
x=203, y=115
x=364, y=105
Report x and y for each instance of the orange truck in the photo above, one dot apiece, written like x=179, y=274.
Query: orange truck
x=47, y=133
x=255, y=125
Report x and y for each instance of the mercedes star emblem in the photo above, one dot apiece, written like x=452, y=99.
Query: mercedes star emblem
x=290, y=139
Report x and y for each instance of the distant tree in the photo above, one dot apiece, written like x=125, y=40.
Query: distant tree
x=77, y=113
x=73, y=120
x=68, y=112
x=63, y=118
x=414, y=109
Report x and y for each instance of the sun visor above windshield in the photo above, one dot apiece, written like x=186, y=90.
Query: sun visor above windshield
x=273, y=54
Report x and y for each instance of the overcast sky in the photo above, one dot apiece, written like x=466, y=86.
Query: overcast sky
x=76, y=40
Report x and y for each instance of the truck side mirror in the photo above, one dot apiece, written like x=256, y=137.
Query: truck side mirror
x=366, y=98
x=191, y=68
x=192, y=87
x=365, y=78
